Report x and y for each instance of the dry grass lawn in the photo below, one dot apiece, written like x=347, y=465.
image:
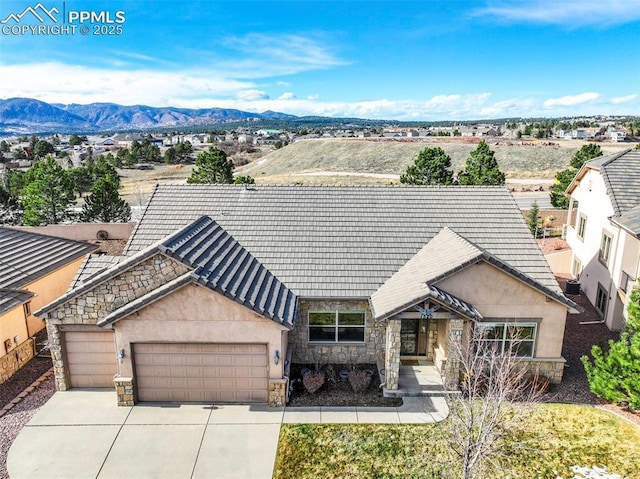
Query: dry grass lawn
x=558, y=436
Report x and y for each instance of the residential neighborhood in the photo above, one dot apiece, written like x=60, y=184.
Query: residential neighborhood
x=336, y=240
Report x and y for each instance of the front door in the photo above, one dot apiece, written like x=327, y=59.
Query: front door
x=413, y=337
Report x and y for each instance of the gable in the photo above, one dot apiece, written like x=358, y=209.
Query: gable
x=498, y=294
x=99, y=300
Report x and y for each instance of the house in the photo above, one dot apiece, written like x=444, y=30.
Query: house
x=223, y=286
x=618, y=135
x=603, y=231
x=34, y=270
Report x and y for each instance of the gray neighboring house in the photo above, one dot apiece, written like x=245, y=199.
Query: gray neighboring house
x=223, y=286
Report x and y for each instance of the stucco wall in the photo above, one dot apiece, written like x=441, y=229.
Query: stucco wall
x=336, y=353
x=83, y=231
x=499, y=296
x=48, y=289
x=197, y=314
x=12, y=324
x=594, y=203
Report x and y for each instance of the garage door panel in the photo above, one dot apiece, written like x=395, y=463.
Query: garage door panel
x=201, y=372
x=91, y=358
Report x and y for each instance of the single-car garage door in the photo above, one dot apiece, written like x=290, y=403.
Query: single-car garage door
x=201, y=372
x=91, y=358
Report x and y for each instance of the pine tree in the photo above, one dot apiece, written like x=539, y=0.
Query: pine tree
x=585, y=153
x=481, y=168
x=104, y=204
x=532, y=219
x=431, y=167
x=615, y=374
x=48, y=195
x=212, y=166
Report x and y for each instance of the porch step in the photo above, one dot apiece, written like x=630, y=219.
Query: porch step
x=429, y=391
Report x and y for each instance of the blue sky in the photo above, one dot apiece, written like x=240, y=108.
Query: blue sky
x=404, y=60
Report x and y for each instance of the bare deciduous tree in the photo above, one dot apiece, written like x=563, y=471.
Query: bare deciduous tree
x=495, y=395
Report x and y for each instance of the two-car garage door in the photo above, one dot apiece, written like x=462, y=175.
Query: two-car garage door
x=201, y=372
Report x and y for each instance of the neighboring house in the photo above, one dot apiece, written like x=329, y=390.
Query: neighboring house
x=618, y=135
x=603, y=231
x=222, y=286
x=34, y=270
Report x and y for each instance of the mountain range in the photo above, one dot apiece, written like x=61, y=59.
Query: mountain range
x=27, y=115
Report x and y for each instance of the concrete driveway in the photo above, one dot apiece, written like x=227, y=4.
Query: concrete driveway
x=83, y=434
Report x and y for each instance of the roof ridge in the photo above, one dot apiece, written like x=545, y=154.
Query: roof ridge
x=615, y=202
x=144, y=212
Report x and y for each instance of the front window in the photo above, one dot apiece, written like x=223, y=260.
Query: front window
x=582, y=226
x=336, y=326
x=605, y=247
x=505, y=338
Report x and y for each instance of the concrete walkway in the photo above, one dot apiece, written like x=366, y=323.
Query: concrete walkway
x=83, y=434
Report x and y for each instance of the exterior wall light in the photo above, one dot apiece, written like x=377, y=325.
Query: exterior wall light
x=276, y=356
x=121, y=355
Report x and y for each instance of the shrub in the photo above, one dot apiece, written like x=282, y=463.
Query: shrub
x=615, y=374
x=313, y=380
x=359, y=380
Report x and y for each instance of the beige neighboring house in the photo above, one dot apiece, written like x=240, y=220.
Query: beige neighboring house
x=604, y=232
x=34, y=270
x=223, y=287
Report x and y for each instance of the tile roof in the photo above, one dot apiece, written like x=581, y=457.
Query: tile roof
x=446, y=254
x=218, y=262
x=10, y=298
x=26, y=257
x=331, y=241
x=621, y=174
x=630, y=220
x=93, y=265
x=224, y=265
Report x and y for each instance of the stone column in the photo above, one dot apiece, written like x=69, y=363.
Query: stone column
x=392, y=356
x=55, y=348
x=451, y=374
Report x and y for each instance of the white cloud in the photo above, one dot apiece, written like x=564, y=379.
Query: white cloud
x=624, y=99
x=252, y=95
x=260, y=55
x=572, y=100
x=288, y=95
x=572, y=13
x=60, y=83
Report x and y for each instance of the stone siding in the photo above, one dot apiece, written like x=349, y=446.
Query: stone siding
x=55, y=347
x=451, y=373
x=552, y=368
x=304, y=352
x=15, y=359
x=392, y=357
x=124, y=391
x=278, y=392
x=93, y=305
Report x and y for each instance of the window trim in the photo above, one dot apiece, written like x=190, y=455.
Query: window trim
x=336, y=325
x=582, y=226
x=506, y=324
x=605, y=247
